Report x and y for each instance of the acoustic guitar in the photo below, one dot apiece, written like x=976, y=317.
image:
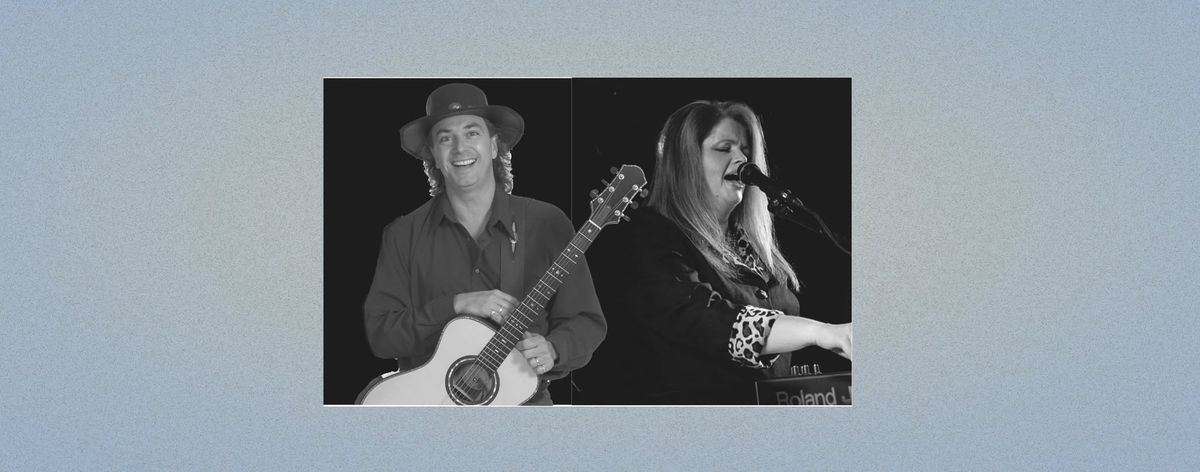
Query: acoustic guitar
x=475, y=364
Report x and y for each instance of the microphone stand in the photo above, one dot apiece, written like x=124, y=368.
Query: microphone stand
x=789, y=207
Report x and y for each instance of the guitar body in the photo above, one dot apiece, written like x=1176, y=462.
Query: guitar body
x=453, y=376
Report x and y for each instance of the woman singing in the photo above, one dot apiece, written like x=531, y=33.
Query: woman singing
x=710, y=299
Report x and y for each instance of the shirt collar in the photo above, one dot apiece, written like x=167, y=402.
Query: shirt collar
x=499, y=214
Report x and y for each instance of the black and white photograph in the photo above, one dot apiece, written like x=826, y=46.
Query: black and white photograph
x=587, y=242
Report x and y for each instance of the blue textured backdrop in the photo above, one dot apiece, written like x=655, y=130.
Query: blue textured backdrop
x=1024, y=220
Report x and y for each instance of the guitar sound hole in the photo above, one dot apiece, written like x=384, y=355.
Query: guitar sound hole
x=470, y=383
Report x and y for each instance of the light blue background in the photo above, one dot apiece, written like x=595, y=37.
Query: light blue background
x=1025, y=214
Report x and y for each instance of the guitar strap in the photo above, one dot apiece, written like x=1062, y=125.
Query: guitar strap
x=512, y=268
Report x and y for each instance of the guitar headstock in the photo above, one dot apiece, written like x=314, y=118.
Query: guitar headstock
x=609, y=204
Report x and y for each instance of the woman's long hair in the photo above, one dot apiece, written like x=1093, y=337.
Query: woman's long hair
x=681, y=193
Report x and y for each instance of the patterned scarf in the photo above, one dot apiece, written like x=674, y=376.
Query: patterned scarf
x=746, y=257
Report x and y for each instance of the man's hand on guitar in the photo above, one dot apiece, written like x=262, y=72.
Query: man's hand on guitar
x=491, y=304
x=538, y=351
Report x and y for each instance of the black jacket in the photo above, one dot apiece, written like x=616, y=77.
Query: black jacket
x=671, y=318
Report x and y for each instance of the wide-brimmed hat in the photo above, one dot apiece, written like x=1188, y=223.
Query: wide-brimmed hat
x=459, y=99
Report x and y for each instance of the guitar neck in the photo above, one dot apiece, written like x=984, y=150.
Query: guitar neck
x=513, y=329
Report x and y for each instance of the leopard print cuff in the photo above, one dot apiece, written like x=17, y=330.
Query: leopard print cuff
x=749, y=336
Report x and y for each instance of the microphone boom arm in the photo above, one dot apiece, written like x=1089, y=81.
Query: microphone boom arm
x=788, y=207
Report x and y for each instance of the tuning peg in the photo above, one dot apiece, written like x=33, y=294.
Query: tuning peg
x=605, y=182
x=644, y=192
x=625, y=217
x=633, y=205
x=613, y=170
x=594, y=194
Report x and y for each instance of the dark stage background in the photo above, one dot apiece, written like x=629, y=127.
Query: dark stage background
x=370, y=181
x=806, y=123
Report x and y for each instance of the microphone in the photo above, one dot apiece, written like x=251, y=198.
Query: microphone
x=782, y=202
x=749, y=174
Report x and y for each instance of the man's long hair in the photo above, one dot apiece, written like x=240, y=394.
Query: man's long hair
x=501, y=165
x=681, y=193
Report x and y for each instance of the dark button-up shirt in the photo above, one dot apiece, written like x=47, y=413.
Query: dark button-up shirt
x=427, y=257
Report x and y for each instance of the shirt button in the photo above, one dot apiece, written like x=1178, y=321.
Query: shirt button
x=476, y=270
x=761, y=294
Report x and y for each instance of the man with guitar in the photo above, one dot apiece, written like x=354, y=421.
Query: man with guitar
x=473, y=249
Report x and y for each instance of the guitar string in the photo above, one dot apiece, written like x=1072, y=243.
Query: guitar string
x=486, y=355
x=497, y=357
x=475, y=368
